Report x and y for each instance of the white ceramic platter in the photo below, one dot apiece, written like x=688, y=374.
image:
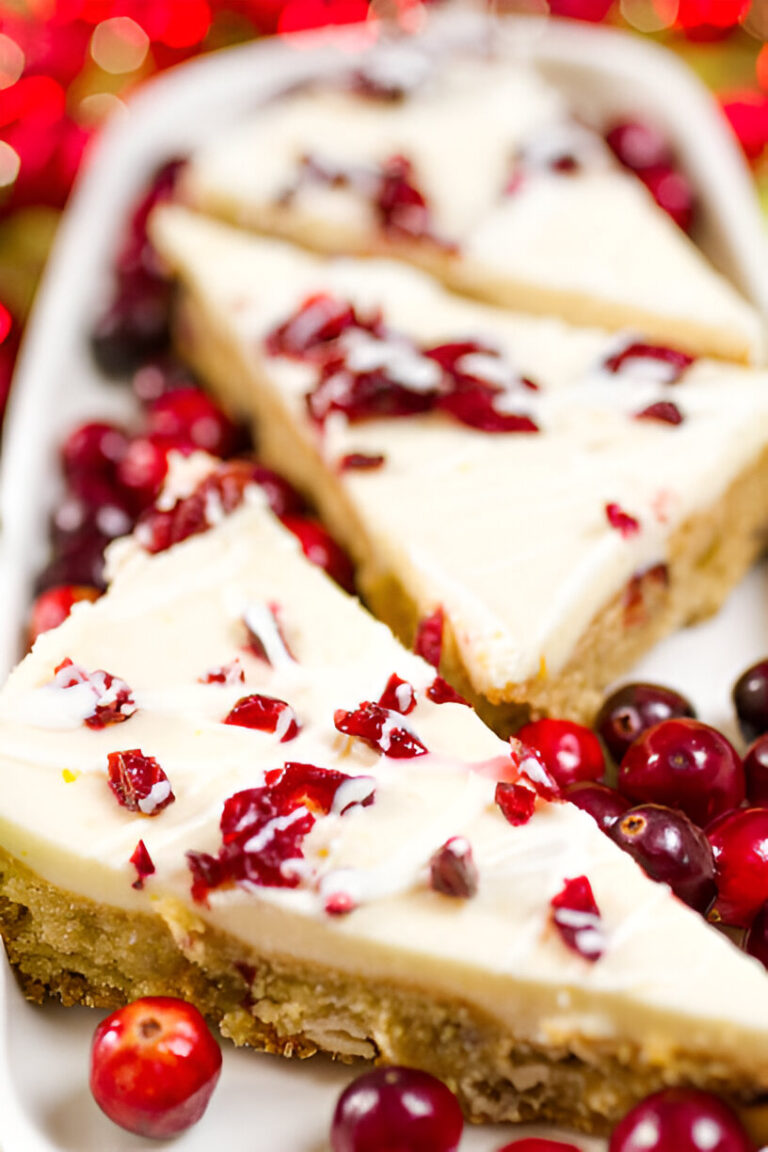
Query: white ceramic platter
x=264, y=1103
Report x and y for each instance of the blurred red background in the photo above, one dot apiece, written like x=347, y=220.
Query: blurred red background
x=67, y=65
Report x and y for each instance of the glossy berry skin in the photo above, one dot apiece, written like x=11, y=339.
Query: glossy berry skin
x=536, y=1144
x=154, y=1065
x=396, y=1108
x=680, y=1120
x=670, y=848
x=632, y=710
x=318, y=545
x=188, y=415
x=605, y=805
x=92, y=450
x=55, y=604
x=756, y=771
x=756, y=939
x=740, y=845
x=571, y=752
x=673, y=192
x=638, y=146
x=684, y=764
x=750, y=699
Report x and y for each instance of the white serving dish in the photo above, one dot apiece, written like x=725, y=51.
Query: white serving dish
x=264, y=1102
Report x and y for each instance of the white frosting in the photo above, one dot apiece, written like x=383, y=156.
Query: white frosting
x=507, y=532
x=585, y=245
x=665, y=979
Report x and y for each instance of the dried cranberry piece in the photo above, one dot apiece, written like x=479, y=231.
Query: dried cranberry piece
x=622, y=521
x=531, y=764
x=231, y=673
x=315, y=326
x=52, y=607
x=379, y=728
x=340, y=904
x=264, y=828
x=138, y=782
x=673, y=360
x=516, y=801
x=399, y=382
x=361, y=462
x=113, y=700
x=479, y=378
x=452, y=869
x=576, y=916
x=429, y=638
x=265, y=714
x=402, y=208
x=475, y=408
x=663, y=410
x=441, y=692
x=142, y=862
x=398, y=696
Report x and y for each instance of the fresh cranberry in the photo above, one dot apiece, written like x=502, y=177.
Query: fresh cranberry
x=81, y=565
x=136, y=326
x=53, y=606
x=680, y=1120
x=750, y=699
x=740, y=845
x=638, y=145
x=756, y=938
x=632, y=710
x=154, y=379
x=535, y=1144
x=396, y=1108
x=143, y=468
x=154, y=1066
x=756, y=771
x=93, y=450
x=687, y=765
x=673, y=192
x=75, y=520
x=603, y=804
x=281, y=496
x=670, y=848
x=189, y=415
x=318, y=545
x=571, y=752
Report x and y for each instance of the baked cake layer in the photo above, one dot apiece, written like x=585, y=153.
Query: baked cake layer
x=518, y=537
x=308, y=915
x=477, y=170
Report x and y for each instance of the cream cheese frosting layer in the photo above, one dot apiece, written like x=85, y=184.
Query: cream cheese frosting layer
x=480, y=138
x=666, y=981
x=509, y=533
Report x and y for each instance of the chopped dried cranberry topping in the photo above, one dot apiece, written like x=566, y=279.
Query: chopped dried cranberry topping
x=231, y=673
x=481, y=384
x=265, y=714
x=142, y=862
x=113, y=700
x=370, y=377
x=321, y=549
x=380, y=729
x=340, y=904
x=476, y=409
x=452, y=869
x=138, y=782
x=663, y=410
x=398, y=696
x=361, y=462
x=265, y=634
x=645, y=585
x=53, y=606
x=429, y=638
x=576, y=916
x=622, y=521
x=665, y=364
x=440, y=692
x=531, y=765
x=516, y=801
x=315, y=327
x=263, y=828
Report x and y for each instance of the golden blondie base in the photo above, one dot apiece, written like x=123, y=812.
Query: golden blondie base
x=707, y=557
x=93, y=954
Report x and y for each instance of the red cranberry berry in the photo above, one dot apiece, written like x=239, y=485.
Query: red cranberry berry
x=154, y=1066
x=571, y=752
x=189, y=415
x=605, y=805
x=632, y=709
x=756, y=939
x=536, y=1144
x=136, y=326
x=281, y=496
x=81, y=565
x=680, y=1120
x=670, y=848
x=756, y=771
x=673, y=192
x=400, y=1108
x=687, y=765
x=318, y=545
x=740, y=845
x=750, y=699
x=92, y=451
x=53, y=606
x=144, y=466
x=638, y=146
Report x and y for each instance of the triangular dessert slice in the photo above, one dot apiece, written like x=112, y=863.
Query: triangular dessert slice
x=560, y=498
x=477, y=170
x=225, y=781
